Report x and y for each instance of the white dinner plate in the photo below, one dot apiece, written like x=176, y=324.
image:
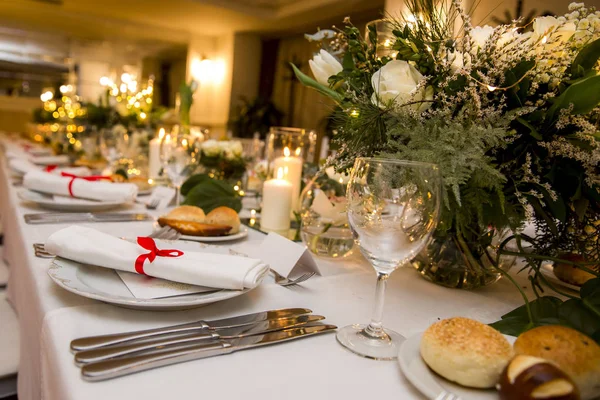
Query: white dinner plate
x=428, y=382
x=240, y=235
x=73, y=205
x=547, y=269
x=105, y=285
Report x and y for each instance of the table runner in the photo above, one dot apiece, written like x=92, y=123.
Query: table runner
x=50, y=317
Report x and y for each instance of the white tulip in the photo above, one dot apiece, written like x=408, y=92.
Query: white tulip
x=397, y=82
x=479, y=35
x=544, y=26
x=323, y=65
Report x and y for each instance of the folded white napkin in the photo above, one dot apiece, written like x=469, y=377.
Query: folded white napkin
x=89, y=246
x=50, y=160
x=21, y=167
x=93, y=190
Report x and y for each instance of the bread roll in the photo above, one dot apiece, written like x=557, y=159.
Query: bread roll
x=466, y=352
x=187, y=213
x=570, y=273
x=573, y=352
x=224, y=216
x=192, y=228
x=530, y=378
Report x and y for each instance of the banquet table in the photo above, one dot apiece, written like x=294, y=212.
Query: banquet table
x=316, y=367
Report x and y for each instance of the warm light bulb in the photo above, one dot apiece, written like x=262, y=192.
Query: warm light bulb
x=104, y=81
x=63, y=89
x=143, y=115
x=491, y=88
x=125, y=77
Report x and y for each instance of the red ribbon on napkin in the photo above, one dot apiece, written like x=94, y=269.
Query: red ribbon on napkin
x=50, y=168
x=149, y=244
x=92, y=178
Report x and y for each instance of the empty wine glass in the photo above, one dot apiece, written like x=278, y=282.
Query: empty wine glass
x=108, y=147
x=179, y=159
x=393, y=208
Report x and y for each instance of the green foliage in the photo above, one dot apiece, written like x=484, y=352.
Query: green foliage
x=100, y=116
x=582, y=314
x=41, y=116
x=310, y=82
x=208, y=193
x=254, y=116
x=186, y=98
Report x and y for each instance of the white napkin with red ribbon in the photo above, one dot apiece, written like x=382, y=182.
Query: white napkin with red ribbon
x=80, y=187
x=89, y=246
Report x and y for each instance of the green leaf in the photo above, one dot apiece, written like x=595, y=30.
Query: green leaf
x=310, y=82
x=348, y=62
x=576, y=315
x=586, y=59
x=532, y=131
x=211, y=194
x=193, y=181
x=512, y=326
x=543, y=307
x=584, y=95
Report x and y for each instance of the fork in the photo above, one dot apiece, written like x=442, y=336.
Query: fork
x=283, y=281
x=164, y=233
x=447, y=396
x=153, y=204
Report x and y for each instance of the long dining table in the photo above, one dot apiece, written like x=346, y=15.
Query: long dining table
x=318, y=367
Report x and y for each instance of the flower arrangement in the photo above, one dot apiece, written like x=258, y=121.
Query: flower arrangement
x=224, y=159
x=510, y=115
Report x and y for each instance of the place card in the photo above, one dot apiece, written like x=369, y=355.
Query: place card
x=164, y=195
x=146, y=287
x=288, y=258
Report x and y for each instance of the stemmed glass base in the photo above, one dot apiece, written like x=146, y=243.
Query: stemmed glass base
x=357, y=339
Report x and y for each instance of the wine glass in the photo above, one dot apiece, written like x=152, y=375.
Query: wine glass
x=393, y=208
x=108, y=147
x=179, y=159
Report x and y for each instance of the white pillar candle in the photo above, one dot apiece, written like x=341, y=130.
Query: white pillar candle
x=277, y=203
x=154, y=156
x=293, y=173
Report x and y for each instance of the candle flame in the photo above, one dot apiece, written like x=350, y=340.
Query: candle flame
x=286, y=152
x=161, y=133
x=168, y=139
x=280, y=172
x=298, y=150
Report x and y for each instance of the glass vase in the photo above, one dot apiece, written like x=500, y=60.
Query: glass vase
x=324, y=225
x=451, y=261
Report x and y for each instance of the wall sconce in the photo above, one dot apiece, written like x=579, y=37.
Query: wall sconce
x=207, y=71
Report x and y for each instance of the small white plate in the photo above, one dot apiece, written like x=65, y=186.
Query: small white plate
x=547, y=269
x=428, y=382
x=240, y=235
x=105, y=285
x=47, y=201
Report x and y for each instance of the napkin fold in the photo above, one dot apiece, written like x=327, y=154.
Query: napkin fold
x=46, y=182
x=89, y=246
x=21, y=167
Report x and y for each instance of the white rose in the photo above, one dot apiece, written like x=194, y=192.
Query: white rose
x=397, y=82
x=211, y=148
x=543, y=26
x=324, y=65
x=236, y=148
x=479, y=35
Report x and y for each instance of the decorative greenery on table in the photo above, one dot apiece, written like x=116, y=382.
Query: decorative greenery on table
x=511, y=119
x=223, y=159
x=208, y=193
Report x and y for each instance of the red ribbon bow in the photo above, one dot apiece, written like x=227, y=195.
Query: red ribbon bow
x=92, y=178
x=148, y=244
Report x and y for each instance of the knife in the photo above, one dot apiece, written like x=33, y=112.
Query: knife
x=104, y=353
x=92, y=342
x=115, y=368
x=53, y=218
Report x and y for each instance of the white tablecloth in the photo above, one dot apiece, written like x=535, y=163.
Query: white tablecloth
x=316, y=368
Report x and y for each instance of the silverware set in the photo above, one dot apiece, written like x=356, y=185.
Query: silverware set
x=111, y=356
x=55, y=218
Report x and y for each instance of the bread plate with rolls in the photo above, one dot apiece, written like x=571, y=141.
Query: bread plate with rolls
x=220, y=224
x=474, y=361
